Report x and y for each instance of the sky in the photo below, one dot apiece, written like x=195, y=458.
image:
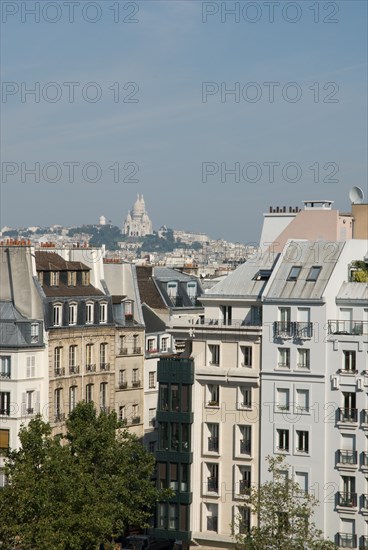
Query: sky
x=214, y=111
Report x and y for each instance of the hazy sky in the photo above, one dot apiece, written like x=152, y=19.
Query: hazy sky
x=149, y=96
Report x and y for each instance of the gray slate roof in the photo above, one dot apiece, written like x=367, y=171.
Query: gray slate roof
x=353, y=291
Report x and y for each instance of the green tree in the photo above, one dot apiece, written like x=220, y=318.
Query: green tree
x=284, y=515
x=74, y=492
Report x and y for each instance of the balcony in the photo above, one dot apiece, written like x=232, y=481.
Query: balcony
x=304, y=331
x=123, y=385
x=283, y=329
x=90, y=368
x=364, y=503
x=348, y=416
x=232, y=323
x=5, y=412
x=212, y=523
x=365, y=416
x=347, y=500
x=104, y=366
x=244, y=486
x=123, y=351
x=354, y=328
x=30, y=410
x=105, y=409
x=59, y=371
x=245, y=446
x=212, y=484
x=74, y=369
x=364, y=460
x=136, y=419
x=136, y=384
x=213, y=445
x=213, y=403
x=363, y=545
x=137, y=350
x=5, y=375
x=347, y=458
x=346, y=540
x=59, y=417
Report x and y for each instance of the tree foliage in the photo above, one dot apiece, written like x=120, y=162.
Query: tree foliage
x=74, y=492
x=284, y=513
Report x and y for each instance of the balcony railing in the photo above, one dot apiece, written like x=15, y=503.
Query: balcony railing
x=105, y=409
x=90, y=368
x=123, y=351
x=136, y=419
x=348, y=415
x=348, y=500
x=5, y=412
x=365, y=416
x=234, y=323
x=30, y=410
x=363, y=545
x=137, y=350
x=74, y=369
x=212, y=523
x=364, y=459
x=105, y=366
x=60, y=371
x=244, y=486
x=212, y=484
x=364, y=502
x=346, y=540
x=245, y=446
x=355, y=328
x=213, y=445
x=283, y=329
x=136, y=383
x=303, y=330
x=4, y=374
x=215, y=362
x=123, y=385
x=59, y=417
x=347, y=457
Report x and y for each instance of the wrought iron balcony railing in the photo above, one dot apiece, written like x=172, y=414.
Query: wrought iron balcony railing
x=347, y=457
x=348, y=415
x=348, y=500
x=245, y=446
x=74, y=369
x=59, y=371
x=90, y=368
x=104, y=366
x=355, y=328
x=346, y=540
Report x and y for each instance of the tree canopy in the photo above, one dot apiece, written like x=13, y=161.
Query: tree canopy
x=76, y=491
x=284, y=513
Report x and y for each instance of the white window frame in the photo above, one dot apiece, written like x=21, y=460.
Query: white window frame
x=35, y=333
x=57, y=315
x=73, y=312
x=151, y=380
x=89, y=313
x=103, y=312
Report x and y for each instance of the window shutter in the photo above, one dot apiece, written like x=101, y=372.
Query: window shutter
x=23, y=406
x=37, y=404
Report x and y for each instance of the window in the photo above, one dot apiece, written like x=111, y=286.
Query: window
x=72, y=278
x=245, y=479
x=151, y=345
x=164, y=344
x=35, y=329
x=151, y=446
x=164, y=397
x=211, y=517
x=135, y=377
x=3, y=478
x=243, y=519
x=227, y=312
x=72, y=398
x=151, y=380
x=314, y=273
x=173, y=516
x=349, y=361
x=212, y=477
x=282, y=440
x=303, y=358
x=136, y=348
x=54, y=278
x=103, y=312
x=128, y=309
x=284, y=315
x=246, y=356
x=175, y=397
x=213, y=437
x=5, y=366
x=172, y=289
x=72, y=357
x=135, y=417
x=103, y=395
x=122, y=414
x=348, y=496
x=30, y=402
x=40, y=277
x=294, y=273
x=302, y=400
x=213, y=395
x=301, y=479
x=245, y=396
x=57, y=404
x=89, y=313
x=192, y=289
x=89, y=356
x=284, y=327
x=283, y=399
x=103, y=356
x=89, y=393
x=302, y=441
x=85, y=278
x=152, y=417
x=214, y=354
x=122, y=379
x=57, y=315
x=4, y=403
x=245, y=440
x=4, y=440
x=73, y=314
x=284, y=358
x=31, y=366
x=57, y=359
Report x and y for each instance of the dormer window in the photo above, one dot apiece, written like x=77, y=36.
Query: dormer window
x=85, y=278
x=128, y=309
x=103, y=312
x=73, y=314
x=192, y=289
x=35, y=330
x=294, y=273
x=72, y=278
x=314, y=273
x=57, y=315
x=172, y=289
x=89, y=313
x=54, y=278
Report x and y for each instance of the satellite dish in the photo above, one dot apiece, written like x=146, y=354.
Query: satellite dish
x=356, y=195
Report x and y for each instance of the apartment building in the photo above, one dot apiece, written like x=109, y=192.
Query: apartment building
x=23, y=355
